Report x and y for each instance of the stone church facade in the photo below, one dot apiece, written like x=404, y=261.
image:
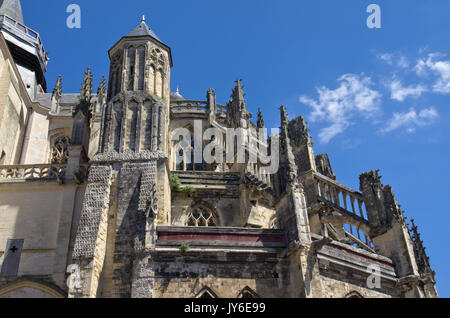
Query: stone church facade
x=93, y=204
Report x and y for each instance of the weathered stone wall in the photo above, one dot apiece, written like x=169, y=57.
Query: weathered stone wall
x=41, y=215
x=226, y=209
x=177, y=275
x=14, y=110
x=36, y=148
x=342, y=286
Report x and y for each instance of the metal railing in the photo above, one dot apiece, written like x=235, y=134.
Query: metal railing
x=29, y=33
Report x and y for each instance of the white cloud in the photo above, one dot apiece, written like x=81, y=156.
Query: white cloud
x=386, y=57
x=403, y=62
x=394, y=59
x=400, y=93
x=338, y=107
x=411, y=120
x=435, y=64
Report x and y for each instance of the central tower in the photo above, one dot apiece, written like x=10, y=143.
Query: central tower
x=138, y=93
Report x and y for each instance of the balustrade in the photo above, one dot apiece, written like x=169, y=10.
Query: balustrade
x=31, y=172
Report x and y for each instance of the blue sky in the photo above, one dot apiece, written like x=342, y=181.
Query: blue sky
x=374, y=98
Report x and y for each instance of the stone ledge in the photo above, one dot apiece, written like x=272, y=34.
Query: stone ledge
x=225, y=230
x=223, y=244
x=220, y=237
x=354, y=250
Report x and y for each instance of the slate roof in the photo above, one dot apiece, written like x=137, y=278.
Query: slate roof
x=143, y=30
x=45, y=99
x=12, y=8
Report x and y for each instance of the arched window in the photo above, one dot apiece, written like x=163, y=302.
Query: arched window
x=157, y=72
x=132, y=125
x=201, y=216
x=354, y=294
x=184, y=154
x=60, y=150
x=247, y=292
x=131, y=67
x=180, y=165
x=206, y=292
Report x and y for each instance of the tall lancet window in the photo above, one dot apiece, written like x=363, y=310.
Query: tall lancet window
x=117, y=125
x=141, y=68
x=158, y=61
x=118, y=79
x=132, y=125
x=131, y=67
x=151, y=80
x=146, y=126
x=159, y=82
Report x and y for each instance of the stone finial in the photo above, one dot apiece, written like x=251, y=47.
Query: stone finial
x=237, y=114
x=299, y=132
x=101, y=91
x=85, y=103
x=324, y=166
x=372, y=178
x=423, y=261
x=211, y=102
x=260, y=122
x=86, y=86
x=285, y=148
x=56, y=96
x=284, y=118
x=238, y=96
x=57, y=90
x=393, y=210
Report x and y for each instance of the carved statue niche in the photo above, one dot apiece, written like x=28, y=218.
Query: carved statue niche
x=152, y=203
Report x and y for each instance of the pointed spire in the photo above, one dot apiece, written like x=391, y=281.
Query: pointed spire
x=86, y=86
x=101, y=91
x=238, y=96
x=285, y=148
x=101, y=97
x=423, y=261
x=143, y=30
x=57, y=90
x=304, y=127
x=56, y=96
x=85, y=104
x=260, y=122
x=12, y=9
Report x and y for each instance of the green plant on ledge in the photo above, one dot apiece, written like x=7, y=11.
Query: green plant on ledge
x=184, y=248
x=188, y=190
x=175, y=185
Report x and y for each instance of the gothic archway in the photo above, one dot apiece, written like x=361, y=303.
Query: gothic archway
x=247, y=292
x=29, y=289
x=206, y=292
x=201, y=216
x=354, y=294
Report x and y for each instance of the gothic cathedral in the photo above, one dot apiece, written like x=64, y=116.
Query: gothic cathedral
x=98, y=200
